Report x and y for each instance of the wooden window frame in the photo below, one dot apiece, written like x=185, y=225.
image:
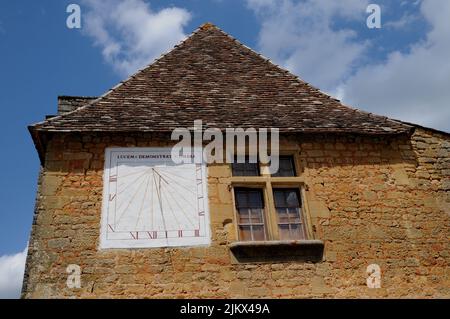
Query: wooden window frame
x=267, y=183
x=263, y=213
x=290, y=223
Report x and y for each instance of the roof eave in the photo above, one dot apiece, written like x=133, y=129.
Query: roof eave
x=41, y=144
x=38, y=143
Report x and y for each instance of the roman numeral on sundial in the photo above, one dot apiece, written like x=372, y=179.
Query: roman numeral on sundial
x=113, y=178
x=152, y=234
x=135, y=235
x=111, y=197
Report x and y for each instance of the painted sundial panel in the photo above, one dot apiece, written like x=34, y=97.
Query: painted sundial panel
x=149, y=201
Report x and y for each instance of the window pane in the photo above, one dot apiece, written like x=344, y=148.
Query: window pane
x=287, y=167
x=280, y=200
x=237, y=171
x=250, y=208
x=296, y=231
x=244, y=216
x=245, y=169
x=287, y=204
x=241, y=199
x=284, y=232
x=256, y=216
x=258, y=233
x=294, y=215
x=255, y=199
x=242, y=169
x=245, y=233
x=292, y=199
x=283, y=217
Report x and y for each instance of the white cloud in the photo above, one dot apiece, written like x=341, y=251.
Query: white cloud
x=130, y=33
x=301, y=35
x=412, y=86
x=11, y=274
x=304, y=37
x=405, y=21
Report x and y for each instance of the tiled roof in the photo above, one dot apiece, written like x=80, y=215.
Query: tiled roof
x=68, y=104
x=212, y=77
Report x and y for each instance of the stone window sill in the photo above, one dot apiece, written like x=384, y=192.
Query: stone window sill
x=277, y=251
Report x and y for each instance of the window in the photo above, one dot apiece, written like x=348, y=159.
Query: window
x=245, y=169
x=289, y=216
x=250, y=209
x=287, y=167
x=272, y=220
x=269, y=208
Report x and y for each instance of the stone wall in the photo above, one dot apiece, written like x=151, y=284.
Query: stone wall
x=371, y=200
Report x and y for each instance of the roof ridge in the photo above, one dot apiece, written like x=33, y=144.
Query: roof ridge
x=263, y=57
x=295, y=76
x=268, y=60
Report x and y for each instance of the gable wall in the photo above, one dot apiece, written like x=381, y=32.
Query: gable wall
x=372, y=200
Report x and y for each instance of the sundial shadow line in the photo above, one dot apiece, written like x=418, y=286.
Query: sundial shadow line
x=181, y=185
x=134, y=181
x=142, y=203
x=177, y=176
x=159, y=173
x=151, y=208
x=181, y=209
x=178, y=179
x=128, y=206
x=171, y=209
x=131, y=174
x=160, y=206
x=131, y=184
x=179, y=194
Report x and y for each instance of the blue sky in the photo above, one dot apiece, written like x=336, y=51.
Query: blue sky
x=401, y=70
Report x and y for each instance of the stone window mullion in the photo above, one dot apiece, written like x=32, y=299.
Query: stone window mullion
x=271, y=213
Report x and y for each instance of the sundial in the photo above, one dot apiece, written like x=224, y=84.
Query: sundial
x=149, y=201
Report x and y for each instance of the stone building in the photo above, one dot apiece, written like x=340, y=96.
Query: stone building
x=359, y=207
